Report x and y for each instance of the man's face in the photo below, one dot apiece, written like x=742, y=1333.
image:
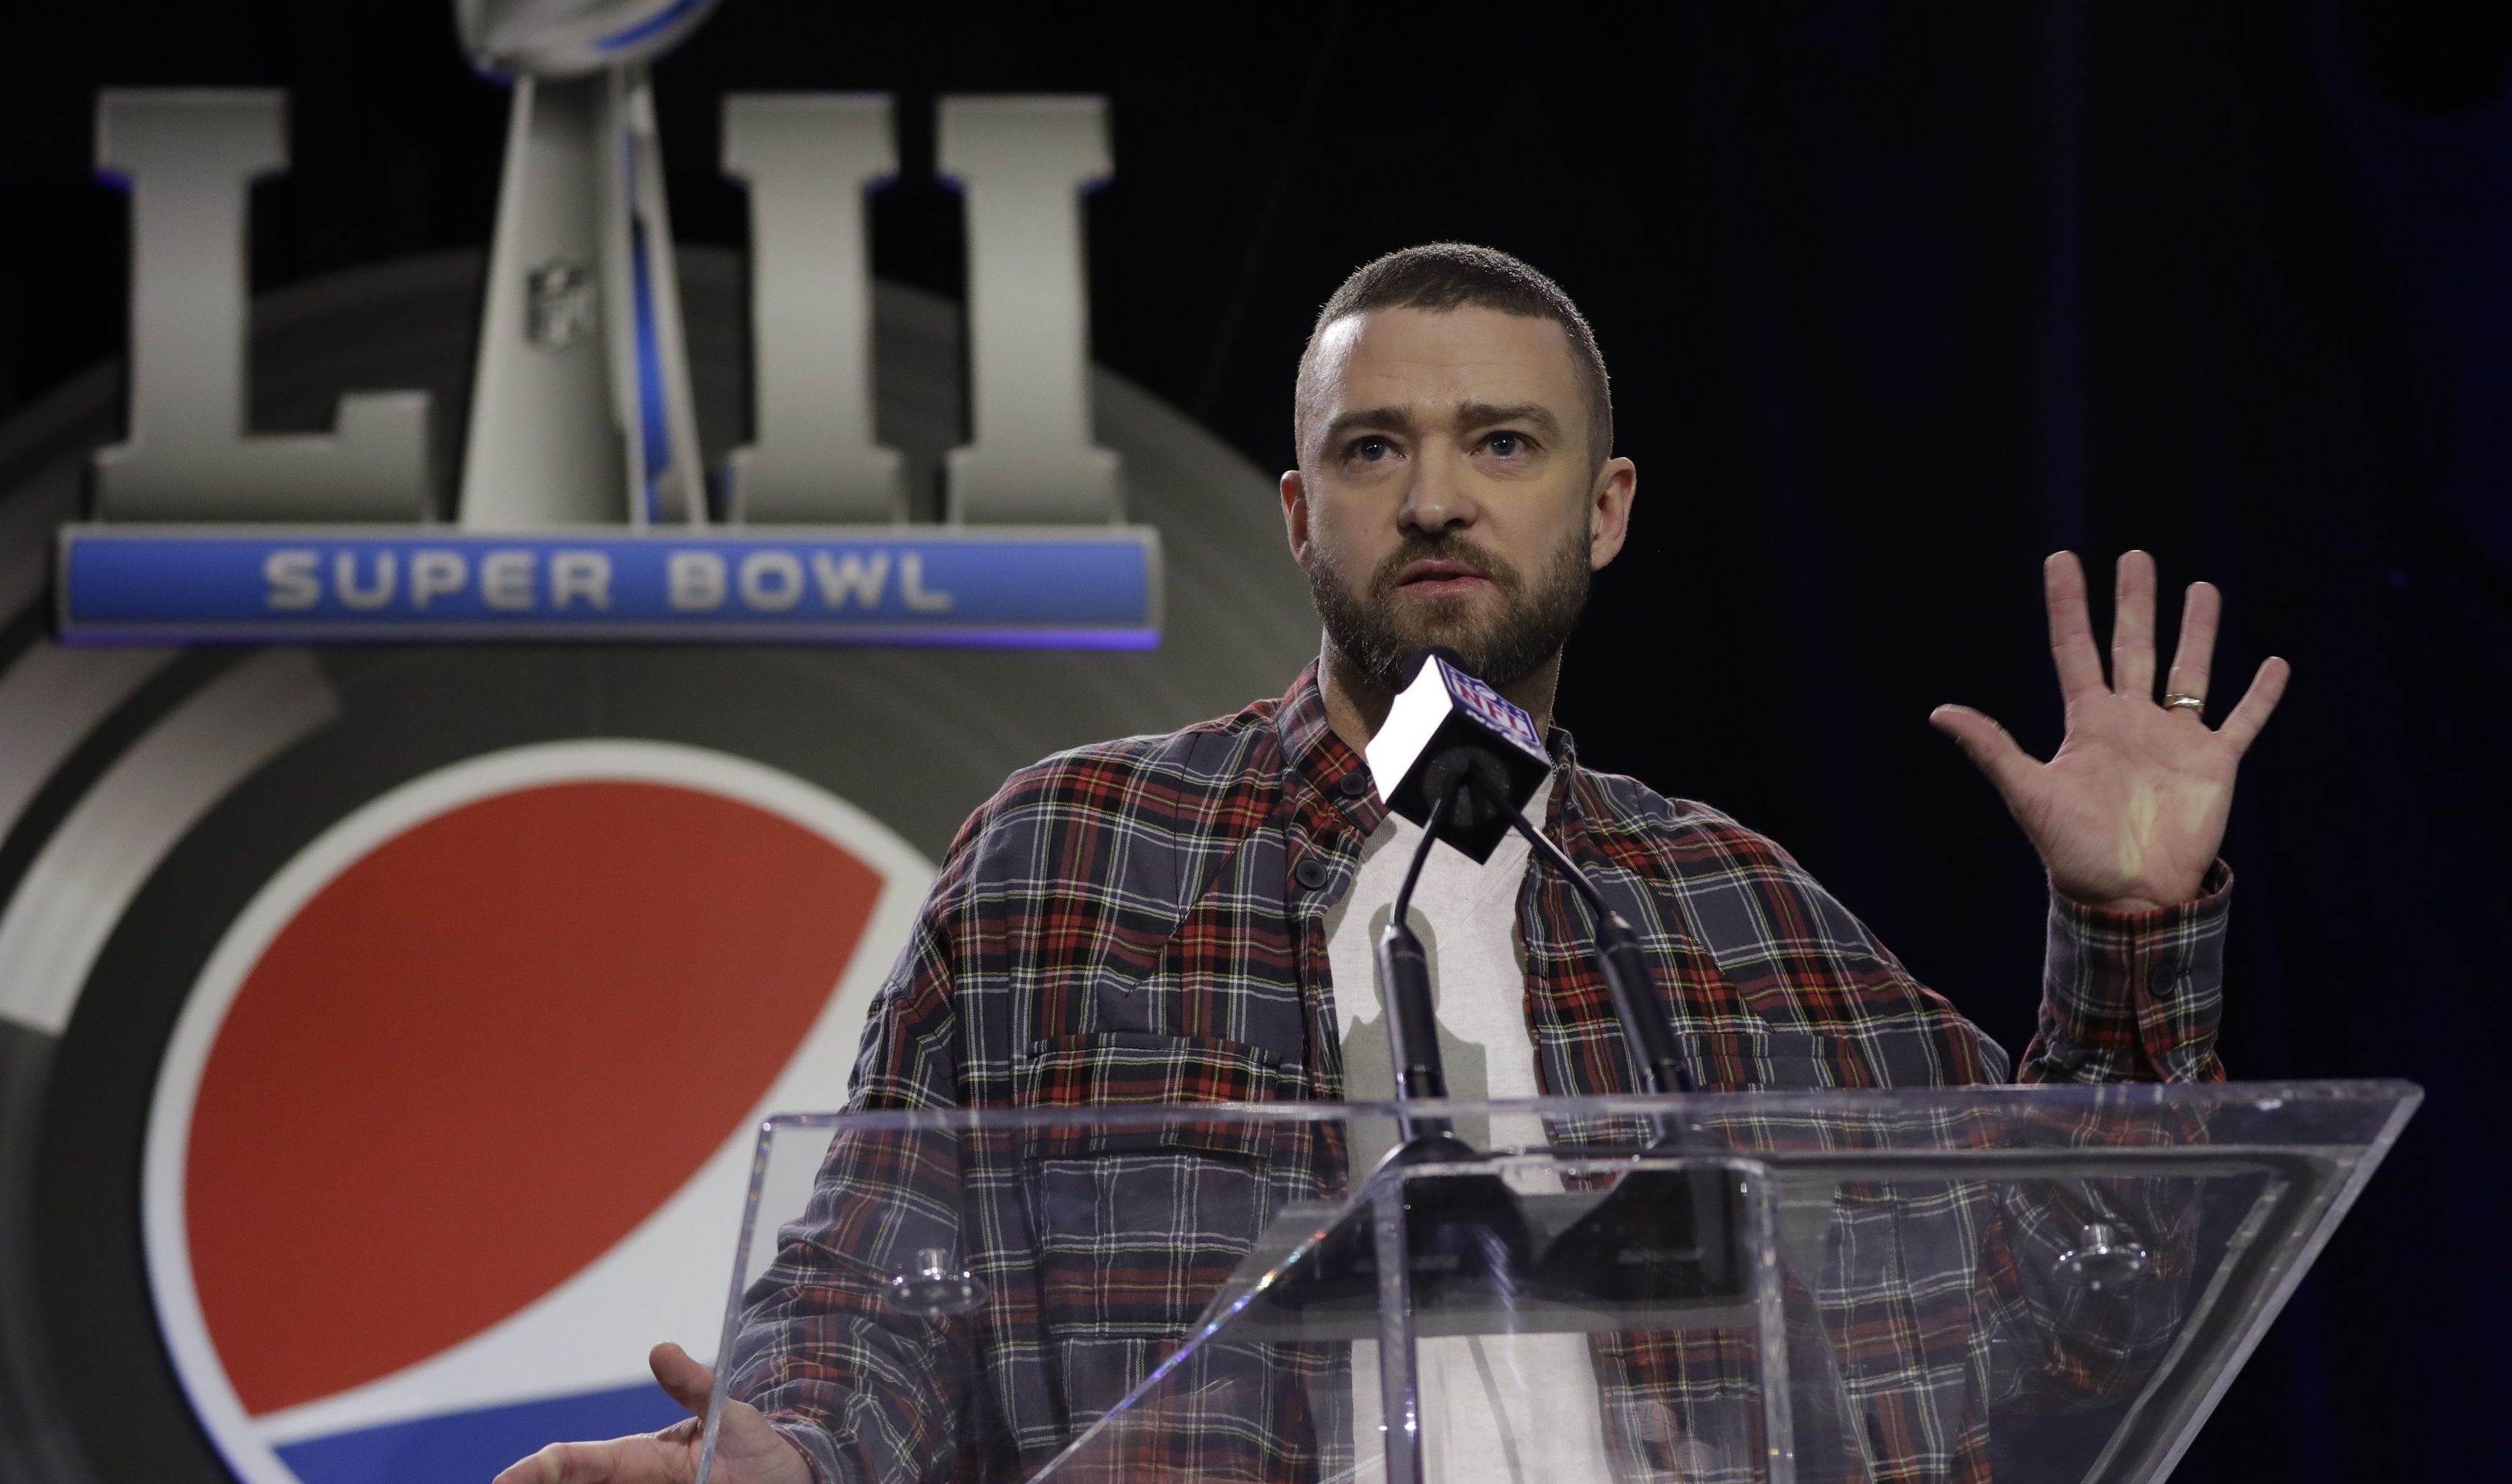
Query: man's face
x=1445, y=494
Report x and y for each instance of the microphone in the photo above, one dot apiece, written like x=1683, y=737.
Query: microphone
x=1463, y=1234
x=1461, y=760
x=1443, y=726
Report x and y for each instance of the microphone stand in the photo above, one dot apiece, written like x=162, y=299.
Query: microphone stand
x=1404, y=993
x=1661, y=1234
x=1461, y=1233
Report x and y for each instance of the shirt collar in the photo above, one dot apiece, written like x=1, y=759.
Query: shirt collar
x=1565, y=751
x=1311, y=747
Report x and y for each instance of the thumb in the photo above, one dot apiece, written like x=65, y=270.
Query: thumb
x=1989, y=746
x=683, y=1379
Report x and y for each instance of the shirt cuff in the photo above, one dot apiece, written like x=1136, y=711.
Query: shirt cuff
x=811, y=1441
x=2134, y=997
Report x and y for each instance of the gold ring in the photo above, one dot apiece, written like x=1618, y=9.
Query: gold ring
x=2182, y=700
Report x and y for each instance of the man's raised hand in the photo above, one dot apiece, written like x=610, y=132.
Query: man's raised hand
x=750, y=1450
x=2130, y=812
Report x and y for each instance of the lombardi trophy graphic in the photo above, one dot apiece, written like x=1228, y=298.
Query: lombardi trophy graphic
x=580, y=407
x=585, y=510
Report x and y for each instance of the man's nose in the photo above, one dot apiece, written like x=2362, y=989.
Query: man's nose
x=1437, y=500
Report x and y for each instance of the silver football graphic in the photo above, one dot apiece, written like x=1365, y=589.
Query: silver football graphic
x=570, y=38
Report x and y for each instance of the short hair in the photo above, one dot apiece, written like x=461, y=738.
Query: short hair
x=1455, y=275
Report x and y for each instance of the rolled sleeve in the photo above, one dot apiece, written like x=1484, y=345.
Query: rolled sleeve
x=2133, y=996
x=811, y=1441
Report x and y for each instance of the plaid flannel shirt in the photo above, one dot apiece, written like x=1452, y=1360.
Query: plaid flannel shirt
x=1144, y=920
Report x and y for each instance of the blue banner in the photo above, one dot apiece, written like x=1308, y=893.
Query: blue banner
x=1095, y=587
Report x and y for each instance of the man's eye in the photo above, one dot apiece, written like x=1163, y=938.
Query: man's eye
x=1505, y=445
x=1370, y=450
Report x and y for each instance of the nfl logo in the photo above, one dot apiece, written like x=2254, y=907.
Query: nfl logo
x=560, y=303
x=1505, y=715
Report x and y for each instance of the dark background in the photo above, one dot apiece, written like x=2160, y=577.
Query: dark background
x=1898, y=297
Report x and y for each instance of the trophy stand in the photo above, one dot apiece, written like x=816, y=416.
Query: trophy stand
x=581, y=411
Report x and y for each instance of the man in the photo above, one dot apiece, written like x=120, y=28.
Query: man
x=1194, y=911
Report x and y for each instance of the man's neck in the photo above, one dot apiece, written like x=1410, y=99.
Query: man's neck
x=1356, y=708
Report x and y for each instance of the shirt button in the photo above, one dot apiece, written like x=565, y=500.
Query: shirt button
x=1355, y=783
x=1311, y=873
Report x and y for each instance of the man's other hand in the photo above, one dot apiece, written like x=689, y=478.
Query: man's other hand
x=750, y=1451
x=2131, y=812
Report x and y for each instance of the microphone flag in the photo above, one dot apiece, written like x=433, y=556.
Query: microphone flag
x=1445, y=711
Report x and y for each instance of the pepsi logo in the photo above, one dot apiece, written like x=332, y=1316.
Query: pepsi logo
x=581, y=967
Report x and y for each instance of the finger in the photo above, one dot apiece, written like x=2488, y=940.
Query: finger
x=566, y=1463
x=2194, y=657
x=2268, y=688
x=2071, y=628
x=683, y=1379
x=2133, y=627
x=1989, y=747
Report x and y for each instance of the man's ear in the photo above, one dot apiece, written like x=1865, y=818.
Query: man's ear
x=1609, y=510
x=1295, y=516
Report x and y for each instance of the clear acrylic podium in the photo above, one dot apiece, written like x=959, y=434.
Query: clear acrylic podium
x=2016, y=1284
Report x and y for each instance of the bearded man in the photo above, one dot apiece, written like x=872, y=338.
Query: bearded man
x=1193, y=915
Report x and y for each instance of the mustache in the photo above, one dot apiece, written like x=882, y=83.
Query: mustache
x=1445, y=546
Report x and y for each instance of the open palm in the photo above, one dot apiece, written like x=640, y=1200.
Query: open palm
x=2130, y=812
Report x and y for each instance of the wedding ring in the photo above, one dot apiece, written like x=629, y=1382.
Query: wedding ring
x=2180, y=700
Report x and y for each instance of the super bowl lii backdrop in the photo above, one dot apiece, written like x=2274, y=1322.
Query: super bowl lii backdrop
x=395, y=959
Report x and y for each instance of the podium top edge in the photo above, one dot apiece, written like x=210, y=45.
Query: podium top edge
x=2392, y=1096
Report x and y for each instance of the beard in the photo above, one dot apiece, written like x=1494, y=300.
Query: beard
x=1377, y=633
